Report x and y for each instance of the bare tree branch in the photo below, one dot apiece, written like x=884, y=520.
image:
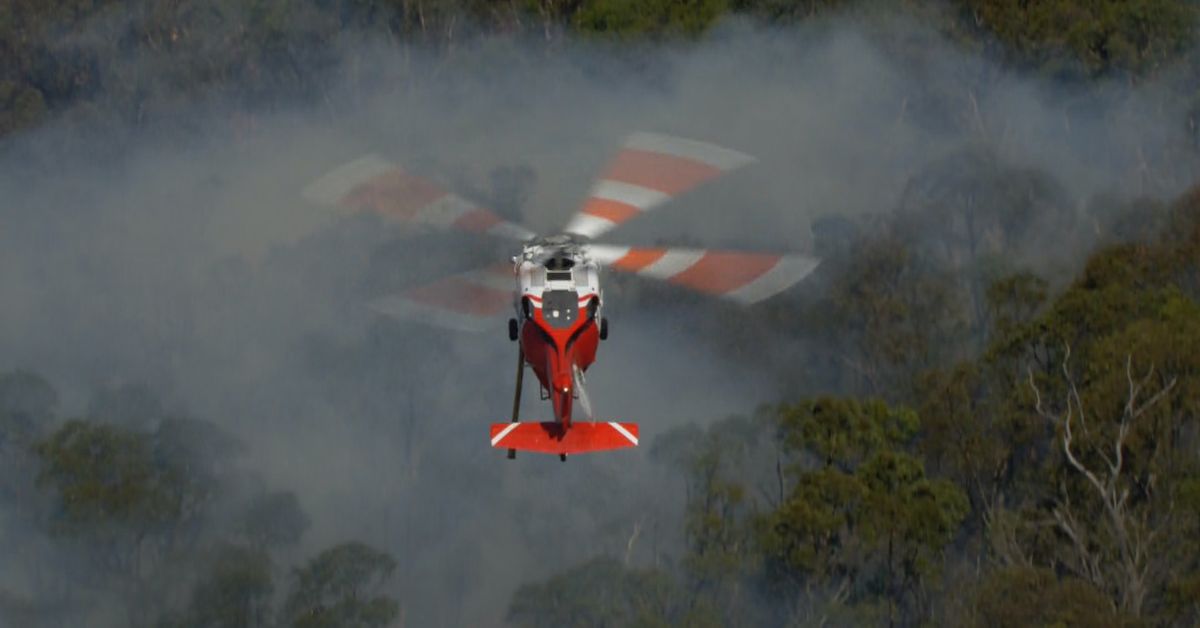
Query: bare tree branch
x=1133, y=533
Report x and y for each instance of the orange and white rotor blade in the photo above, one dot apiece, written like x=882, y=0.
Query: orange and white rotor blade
x=477, y=300
x=374, y=184
x=650, y=170
x=743, y=277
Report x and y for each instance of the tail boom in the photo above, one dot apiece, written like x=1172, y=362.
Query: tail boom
x=554, y=438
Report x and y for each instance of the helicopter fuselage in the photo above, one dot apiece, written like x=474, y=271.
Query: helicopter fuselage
x=558, y=312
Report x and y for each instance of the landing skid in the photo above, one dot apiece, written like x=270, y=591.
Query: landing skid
x=516, y=411
x=512, y=453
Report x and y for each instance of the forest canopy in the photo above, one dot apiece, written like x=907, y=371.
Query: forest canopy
x=983, y=408
x=64, y=54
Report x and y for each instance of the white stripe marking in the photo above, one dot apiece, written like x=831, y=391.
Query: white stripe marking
x=510, y=231
x=710, y=154
x=589, y=226
x=641, y=197
x=504, y=432
x=606, y=253
x=330, y=187
x=672, y=263
x=789, y=271
x=623, y=432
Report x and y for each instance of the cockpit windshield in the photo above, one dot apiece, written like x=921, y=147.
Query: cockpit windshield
x=559, y=262
x=558, y=268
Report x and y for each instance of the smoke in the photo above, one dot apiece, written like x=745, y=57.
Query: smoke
x=179, y=255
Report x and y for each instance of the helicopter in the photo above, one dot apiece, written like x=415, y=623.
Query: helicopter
x=551, y=288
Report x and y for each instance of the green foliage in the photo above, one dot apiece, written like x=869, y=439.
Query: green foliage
x=724, y=475
x=857, y=495
x=111, y=63
x=845, y=432
x=600, y=592
x=236, y=592
x=834, y=510
x=1113, y=359
x=642, y=18
x=1090, y=37
x=897, y=315
x=784, y=11
x=104, y=474
x=717, y=503
x=1013, y=300
x=339, y=588
x=1016, y=597
x=21, y=106
x=970, y=210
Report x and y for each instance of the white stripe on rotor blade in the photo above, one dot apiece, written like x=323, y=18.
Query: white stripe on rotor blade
x=789, y=271
x=511, y=231
x=589, y=226
x=330, y=187
x=606, y=253
x=443, y=211
x=504, y=432
x=711, y=154
x=624, y=432
x=672, y=263
x=628, y=193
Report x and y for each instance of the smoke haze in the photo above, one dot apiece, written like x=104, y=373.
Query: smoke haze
x=178, y=255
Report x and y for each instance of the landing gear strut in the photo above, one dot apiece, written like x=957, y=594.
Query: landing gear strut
x=512, y=453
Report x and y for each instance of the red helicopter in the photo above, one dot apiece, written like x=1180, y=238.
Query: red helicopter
x=552, y=287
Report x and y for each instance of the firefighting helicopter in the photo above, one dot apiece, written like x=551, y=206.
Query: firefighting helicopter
x=552, y=287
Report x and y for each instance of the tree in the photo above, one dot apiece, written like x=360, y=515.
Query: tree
x=105, y=475
x=235, y=593
x=969, y=210
x=131, y=500
x=600, y=592
x=339, y=588
x=647, y=18
x=893, y=314
x=1110, y=371
x=1118, y=551
x=1025, y=596
x=728, y=469
x=857, y=495
x=1079, y=38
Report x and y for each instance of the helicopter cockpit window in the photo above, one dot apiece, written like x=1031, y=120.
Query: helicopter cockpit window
x=559, y=268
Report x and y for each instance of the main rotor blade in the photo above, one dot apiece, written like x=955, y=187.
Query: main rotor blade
x=650, y=170
x=476, y=300
x=374, y=184
x=743, y=277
